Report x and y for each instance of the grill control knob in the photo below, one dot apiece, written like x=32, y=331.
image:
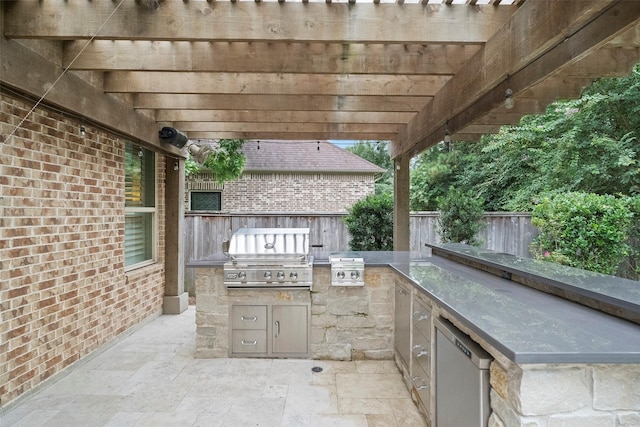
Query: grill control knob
x=355, y=275
x=280, y=275
x=267, y=275
x=340, y=274
x=242, y=275
x=293, y=275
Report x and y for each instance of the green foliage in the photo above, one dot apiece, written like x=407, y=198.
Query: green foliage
x=460, y=217
x=226, y=161
x=583, y=230
x=631, y=269
x=586, y=145
x=370, y=223
x=377, y=153
x=430, y=178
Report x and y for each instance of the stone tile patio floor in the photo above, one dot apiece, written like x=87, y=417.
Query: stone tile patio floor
x=150, y=378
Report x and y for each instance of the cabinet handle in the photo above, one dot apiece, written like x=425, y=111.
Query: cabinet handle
x=422, y=387
x=422, y=353
x=254, y=342
x=249, y=319
x=277, y=324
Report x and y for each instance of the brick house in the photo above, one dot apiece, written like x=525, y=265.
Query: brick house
x=291, y=176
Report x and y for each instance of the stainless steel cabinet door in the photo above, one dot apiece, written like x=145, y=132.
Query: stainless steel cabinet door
x=290, y=329
x=402, y=323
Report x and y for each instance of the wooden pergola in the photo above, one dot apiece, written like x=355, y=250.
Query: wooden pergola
x=408, y=72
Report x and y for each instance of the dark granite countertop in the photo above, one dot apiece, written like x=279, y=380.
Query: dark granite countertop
x=526, y=325
x=620, y=292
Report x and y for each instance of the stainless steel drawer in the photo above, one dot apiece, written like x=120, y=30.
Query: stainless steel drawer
x=422, y=319
x=422, y=386
x=249, y=317
x=421, y=351
x=249, y=341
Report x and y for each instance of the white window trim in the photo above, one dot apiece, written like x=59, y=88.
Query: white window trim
x=154, y=222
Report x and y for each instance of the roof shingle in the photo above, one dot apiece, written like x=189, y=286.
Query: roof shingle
x=303, y=156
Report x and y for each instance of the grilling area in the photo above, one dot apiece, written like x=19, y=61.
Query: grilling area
x=451, y=316
x=288, y=327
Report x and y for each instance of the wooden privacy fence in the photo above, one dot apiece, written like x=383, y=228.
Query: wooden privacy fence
x=508, y=232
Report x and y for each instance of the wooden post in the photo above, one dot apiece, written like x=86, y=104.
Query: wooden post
x=176, y=300
x=401, y=203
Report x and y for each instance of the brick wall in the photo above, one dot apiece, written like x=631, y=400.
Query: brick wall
x=63, y=287
x=295, y=192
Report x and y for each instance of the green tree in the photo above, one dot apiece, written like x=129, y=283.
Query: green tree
x=439, y=168
x=226, y=161
x=370, y=223
x=377, y=152
x=460, y=217
x=587, y=145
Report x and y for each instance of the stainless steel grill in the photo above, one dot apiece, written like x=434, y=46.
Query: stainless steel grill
x=269, y=257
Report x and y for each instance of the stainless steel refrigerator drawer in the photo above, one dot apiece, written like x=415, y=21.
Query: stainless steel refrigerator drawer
x=462, y=379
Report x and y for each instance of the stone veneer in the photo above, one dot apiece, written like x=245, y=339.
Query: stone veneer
x=565, y=395
x=347, y=323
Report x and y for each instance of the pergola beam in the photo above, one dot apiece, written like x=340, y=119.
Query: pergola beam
x=279, y=102
x=267, y=83
x=292, y=136
x=266, y=116
x=263, y=57
x=284, y=128
x=247, y=21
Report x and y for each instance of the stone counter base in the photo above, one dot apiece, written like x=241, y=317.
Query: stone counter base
x=347, y=323
x=565, y=396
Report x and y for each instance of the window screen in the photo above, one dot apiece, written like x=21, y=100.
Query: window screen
x=206, y=201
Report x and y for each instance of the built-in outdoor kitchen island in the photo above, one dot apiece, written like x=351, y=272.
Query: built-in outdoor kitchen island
x=476, y=338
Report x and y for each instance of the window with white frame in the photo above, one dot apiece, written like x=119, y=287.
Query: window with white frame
x=140, y=206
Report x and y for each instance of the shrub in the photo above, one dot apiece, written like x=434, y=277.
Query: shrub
x=370, y=223
x=583, y=230
x=460, y=217
x=631, y=269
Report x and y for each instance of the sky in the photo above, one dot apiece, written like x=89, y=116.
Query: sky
x=343, y=143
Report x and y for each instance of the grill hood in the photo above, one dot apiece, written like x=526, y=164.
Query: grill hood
x=271, y=245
